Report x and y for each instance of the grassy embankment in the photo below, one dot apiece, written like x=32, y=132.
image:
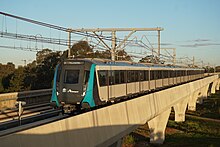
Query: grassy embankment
x=201, y=128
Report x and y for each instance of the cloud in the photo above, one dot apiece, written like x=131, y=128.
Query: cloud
x=166, y=44
x=200, y=45
x=197, y=40
x=201, y=40
x=163, y=44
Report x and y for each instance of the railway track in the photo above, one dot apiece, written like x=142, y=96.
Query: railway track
x=10, y=119
x=13, y=126
x=12, y=114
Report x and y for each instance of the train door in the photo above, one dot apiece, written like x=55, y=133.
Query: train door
x=103, y=85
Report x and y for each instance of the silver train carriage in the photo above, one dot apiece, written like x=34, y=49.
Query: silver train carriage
x=91, y=82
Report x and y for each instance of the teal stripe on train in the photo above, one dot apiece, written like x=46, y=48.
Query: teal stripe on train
x=89, y=91
x=54, y=97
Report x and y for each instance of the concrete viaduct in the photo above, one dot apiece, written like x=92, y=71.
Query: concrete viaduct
x=106, y=126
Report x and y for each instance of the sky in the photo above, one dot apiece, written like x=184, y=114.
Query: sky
x=190, y=26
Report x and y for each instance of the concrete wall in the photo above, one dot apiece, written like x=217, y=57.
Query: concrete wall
x=105, y=126
x=8, y=100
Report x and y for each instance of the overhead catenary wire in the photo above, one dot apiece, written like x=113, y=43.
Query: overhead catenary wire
x=51, y=26
x=60, y=28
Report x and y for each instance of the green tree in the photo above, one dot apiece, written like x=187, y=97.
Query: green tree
x=217, y=69
x=5, y=75
x=151, y=59
x=16, y=82
x=123, y=55
x=30, y=75
x=81, y=49
x=41, y=55
x=44, y=70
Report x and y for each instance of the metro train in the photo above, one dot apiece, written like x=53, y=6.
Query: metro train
x=88, y=82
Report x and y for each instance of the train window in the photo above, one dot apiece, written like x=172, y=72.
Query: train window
x=132, y=76
x=164, y=74
x=128, y=76
x=111, y=77
x=142, y=75
x=169, y=73
x=159, y=74
x=146, y=75
x=136, y=75
x=71, y=76
x=152, y=75
x=122, y=76
x=117, y=77
x=102, y=77
x=177, y=73
x=86, y=77
x=180, y=73
x=174, y=73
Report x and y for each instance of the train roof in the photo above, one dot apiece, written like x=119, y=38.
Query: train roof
x=104, y=62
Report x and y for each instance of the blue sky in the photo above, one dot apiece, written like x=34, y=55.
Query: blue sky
x=190, y=26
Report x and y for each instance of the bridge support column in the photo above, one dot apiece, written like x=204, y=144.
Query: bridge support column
x=180, y=110
x=204, y=92
x=214, y=86
x=217, y=88
x=157, y=127
x=192, y=101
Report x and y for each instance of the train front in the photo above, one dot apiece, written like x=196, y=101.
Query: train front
x=70, y=84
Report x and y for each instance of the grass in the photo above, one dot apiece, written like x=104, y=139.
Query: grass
x=196, y=131
x=129, y=140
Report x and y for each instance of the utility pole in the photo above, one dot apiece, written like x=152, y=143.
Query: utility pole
x=69, y=42
x=193, y=61
x=174, y=56
x=113, y=46
x=158, y=45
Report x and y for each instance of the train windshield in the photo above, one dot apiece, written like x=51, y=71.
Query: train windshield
x=58, y=74
x=86, y=77
x=71, y=76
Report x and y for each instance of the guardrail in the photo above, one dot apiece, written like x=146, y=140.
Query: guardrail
x=8, y=100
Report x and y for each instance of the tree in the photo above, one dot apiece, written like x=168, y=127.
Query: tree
x=122, y=55
x=44, y=71
x=41, y=55
x=5, y=75
x=16, y=82
x=209, y=69
x=151, y=59
x=30, y=75
x=81, y=49
x=217, y=69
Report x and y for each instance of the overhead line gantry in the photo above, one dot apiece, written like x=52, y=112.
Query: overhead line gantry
x=93, y=33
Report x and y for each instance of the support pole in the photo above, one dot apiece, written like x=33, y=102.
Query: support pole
x=174, y=56
x=158, y=45
x=113, y=46
x=69, y=43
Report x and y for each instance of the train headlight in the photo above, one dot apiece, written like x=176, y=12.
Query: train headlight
x=84, y=93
